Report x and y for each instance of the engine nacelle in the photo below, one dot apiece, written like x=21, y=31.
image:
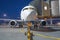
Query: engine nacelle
x=12, y=23
x=43, y=22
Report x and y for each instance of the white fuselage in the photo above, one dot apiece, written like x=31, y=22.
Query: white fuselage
x=28, y=15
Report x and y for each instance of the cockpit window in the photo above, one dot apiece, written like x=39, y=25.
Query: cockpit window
x=25, y=9
x=32, y=8
x=28, y=8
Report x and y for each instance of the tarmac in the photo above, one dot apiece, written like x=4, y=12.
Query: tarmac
x=19, y=34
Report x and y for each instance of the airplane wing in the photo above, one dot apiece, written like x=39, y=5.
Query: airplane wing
x=10, y=19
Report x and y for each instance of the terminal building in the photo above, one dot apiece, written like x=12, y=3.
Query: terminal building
x=46, y=8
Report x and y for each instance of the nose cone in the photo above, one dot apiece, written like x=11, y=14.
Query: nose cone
x=31, y=16
x=28, y=15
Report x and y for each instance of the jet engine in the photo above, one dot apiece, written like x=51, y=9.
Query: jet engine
x=43, y=22
x=12, y=23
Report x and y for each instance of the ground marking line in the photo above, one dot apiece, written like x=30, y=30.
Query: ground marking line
x=45, y=36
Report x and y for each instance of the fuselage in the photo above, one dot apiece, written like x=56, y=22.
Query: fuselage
x=28, y=13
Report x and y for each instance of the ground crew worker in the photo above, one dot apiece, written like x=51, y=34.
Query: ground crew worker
x=35, y=26
x=38, y=25
x=45, y=19
x=21, y=25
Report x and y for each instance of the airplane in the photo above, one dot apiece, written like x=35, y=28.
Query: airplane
x=27, y=14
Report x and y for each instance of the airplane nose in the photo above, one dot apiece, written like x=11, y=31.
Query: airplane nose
x=31, y=16
x=24, y=14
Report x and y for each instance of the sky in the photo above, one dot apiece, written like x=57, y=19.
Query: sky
x=12, y=8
